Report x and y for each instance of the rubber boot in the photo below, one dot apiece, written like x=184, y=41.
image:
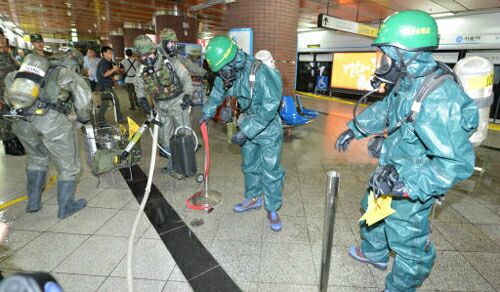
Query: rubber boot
x=35, y=184
x=66, y=199
x=274, y=220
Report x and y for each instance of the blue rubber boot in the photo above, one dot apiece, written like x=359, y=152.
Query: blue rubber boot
x=274, y=220
x=356, y=253
x=248, y=204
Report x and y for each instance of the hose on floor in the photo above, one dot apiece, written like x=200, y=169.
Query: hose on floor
x=130, y=249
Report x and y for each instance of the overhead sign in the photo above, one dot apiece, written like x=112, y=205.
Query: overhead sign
x=327, y=21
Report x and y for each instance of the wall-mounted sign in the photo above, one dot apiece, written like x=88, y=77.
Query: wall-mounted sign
x=353, y=70
x=468, y=39
x=243, y=38
x=327, y=21
x=315, y=46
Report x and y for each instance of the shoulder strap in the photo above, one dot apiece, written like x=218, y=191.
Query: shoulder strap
x=253, y=72
x=431, y=83
x=130, y=67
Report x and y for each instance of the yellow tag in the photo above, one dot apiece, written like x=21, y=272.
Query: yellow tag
x=378, y=209
x=479, y=82
x=38, y=111
x=133, y=127
x=34, y=91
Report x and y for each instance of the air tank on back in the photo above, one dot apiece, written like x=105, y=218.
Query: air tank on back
x=476, y=76
x=26, y=86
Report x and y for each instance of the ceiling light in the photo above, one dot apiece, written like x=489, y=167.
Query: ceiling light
x=445, y=14
x=209, y=3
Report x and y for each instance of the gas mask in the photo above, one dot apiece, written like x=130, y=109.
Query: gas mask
x=387, y=72
x=228, y=75
x=170, y=48
x=149, y=61
x=229, y=72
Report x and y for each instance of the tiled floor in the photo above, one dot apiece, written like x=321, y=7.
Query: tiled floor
x=86, y=252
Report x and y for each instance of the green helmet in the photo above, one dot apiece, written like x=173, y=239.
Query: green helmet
x=220, y=51
x=168, y=34
x=411, y=30
x=144, y=45
x=36, y=37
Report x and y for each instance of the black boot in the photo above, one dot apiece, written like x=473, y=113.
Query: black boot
x=35, y=184
x=66, y=199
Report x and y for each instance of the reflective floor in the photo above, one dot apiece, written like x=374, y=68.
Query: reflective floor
x=86, y=252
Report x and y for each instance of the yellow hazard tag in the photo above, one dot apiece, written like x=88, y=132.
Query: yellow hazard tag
x=34, y=91
x=133, y=127
x=479, y=82
x=378, y=209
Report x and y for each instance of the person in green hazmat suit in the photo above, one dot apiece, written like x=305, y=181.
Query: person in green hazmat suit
x=257, y=89
x=44, y=128
x=167, y=82
x=425, y=152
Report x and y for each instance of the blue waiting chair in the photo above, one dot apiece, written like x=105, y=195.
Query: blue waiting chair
x=302, y=110
x=288, y=112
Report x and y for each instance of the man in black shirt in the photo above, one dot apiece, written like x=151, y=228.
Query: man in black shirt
x=105, y=71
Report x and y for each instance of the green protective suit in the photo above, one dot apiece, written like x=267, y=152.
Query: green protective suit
x=431, y=155
x=261, y=124
x=166, y=87
x=50, y=134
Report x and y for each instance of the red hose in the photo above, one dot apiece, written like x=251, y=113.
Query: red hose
x=204, y=133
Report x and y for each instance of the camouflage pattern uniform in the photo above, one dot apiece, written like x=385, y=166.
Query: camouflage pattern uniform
x=166, y=86
x=167, y=35
x=7, y=64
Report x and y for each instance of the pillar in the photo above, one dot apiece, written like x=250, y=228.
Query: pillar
x=117, y=43
x=185, y=27
x=274, y=24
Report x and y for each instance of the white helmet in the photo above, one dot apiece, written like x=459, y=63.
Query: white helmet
x=266, y=58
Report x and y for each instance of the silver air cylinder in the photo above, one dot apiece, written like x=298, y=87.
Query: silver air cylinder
x=476, y=75
x=26, y=85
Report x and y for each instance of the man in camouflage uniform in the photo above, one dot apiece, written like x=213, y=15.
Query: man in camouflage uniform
x=7, y=64
x=168, y=42
x=168, y=83
x=45, y=130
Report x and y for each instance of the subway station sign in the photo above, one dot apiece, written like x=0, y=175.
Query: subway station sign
x=327, y=21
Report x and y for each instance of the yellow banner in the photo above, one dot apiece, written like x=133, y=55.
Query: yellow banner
x=353, y=70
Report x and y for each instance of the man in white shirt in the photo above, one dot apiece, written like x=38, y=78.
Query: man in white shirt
x=129, y=66
x=90, y=66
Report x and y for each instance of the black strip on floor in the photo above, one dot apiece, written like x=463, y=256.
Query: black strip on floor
x=199, y=267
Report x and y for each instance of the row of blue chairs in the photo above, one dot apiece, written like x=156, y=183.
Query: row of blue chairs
x=293, y=113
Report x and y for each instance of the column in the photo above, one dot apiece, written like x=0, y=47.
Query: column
x=274, y=23
x=185, y=27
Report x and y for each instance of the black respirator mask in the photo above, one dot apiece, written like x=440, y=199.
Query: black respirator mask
x=170, y=47
x=149, y=61
x=387, y=72
x=228, y=74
